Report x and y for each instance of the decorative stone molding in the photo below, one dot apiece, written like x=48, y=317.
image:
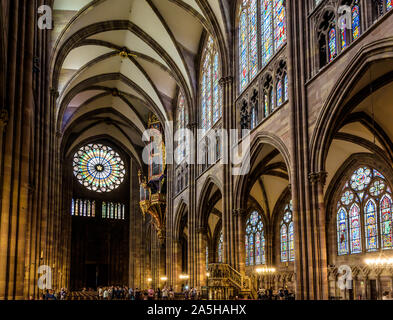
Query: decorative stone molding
x=318, y=177
x=238, y=212
x=225, y=80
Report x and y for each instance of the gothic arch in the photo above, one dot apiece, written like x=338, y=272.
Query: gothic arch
x=261, y=139
x=182, y=209
x=334, y=110
x=205, y=196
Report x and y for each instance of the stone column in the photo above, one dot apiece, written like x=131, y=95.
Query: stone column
x=318, y=181
x=228, y=224
x=238, y=215
x=193, y=208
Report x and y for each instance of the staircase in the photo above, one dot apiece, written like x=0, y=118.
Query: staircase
x=225, y=282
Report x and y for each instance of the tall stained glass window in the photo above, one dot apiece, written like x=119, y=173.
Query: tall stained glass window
x=332, y=44
x=99, y=168
x=248, y=42
x=279, y=24
x=355, y=22
x=111, y=210
x=287, y=237
x=267, y=30
x=389, y=5
x=182, y=121
x=271, y=15
x=83, y=208
x=255, y=240
x=220, y=247
x=211, y=93
x=364, y=213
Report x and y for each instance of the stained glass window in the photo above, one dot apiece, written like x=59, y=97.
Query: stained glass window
x=342, y=232
x=386, y=222
x=332, y=44
x=248, y=42
x=364, y=216
x=182, y=121
x=83, y=208
x=255, y=240
x=355, y=22
x=279, y=24
x=220, y=248
x=389, y=5
x=279, y=93
x=287, y=237
x=286, y=86
x=99, y=168
x=343, y=38
x=211, y=93
x=267, y=31
x=111, y=210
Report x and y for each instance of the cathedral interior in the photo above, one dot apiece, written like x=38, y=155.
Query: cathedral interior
x=115, y=162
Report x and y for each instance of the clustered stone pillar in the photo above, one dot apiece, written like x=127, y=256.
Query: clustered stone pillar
x=307, y=189
x=30, y=211
x=228, y=220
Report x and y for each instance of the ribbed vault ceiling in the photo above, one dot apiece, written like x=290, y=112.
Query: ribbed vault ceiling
x=100, y=91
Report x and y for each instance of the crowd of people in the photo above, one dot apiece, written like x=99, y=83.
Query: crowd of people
x=167, y=293
x=125, y=293
x=280, y=294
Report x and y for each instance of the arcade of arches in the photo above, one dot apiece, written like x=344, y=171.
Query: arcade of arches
x=77, y=196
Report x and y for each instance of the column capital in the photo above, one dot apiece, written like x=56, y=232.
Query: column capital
x=59, y=134
x=3, y=119
x=318, y=177
x=238, y=212
x=201, y=230
x=192, y=125
x=54, y=93
x=225, y=80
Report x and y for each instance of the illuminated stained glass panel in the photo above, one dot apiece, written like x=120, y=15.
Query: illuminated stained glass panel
x=83, y=208
x=267, y=31
x=211, y=93
x=279, y=93
x=284, y=244
x=291, y=234
x=255, y=240
x=266, y=106
x=389, y=5
x=99, y=168
x=355, y=22
x=111, y=210
x=253, y=38
x=367, y=198
x=342, y=232
x=355, y=233
x=287, y=237
x=386, y=222
x=279, y=24
x=332, y=44
x=343, y=38
x=286, y=87
x=216, y=90
x=243, y=48
x=371, y=227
